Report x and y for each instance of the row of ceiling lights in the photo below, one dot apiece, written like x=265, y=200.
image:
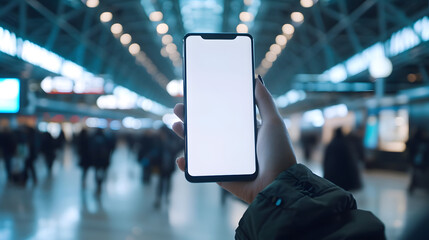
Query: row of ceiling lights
x=245, y=17
x=133, y=48
x=282, y=39
x=169, y=49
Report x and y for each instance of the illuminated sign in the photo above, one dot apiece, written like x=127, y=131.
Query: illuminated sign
x=123, y=98
x=9, y=95
x=75, y=79
x=83, y=81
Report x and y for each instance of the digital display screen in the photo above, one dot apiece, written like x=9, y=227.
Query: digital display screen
x=220, y=114
x=9, y=95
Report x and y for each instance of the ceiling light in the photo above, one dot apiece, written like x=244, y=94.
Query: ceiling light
x=92, y=3
x=276, y=49
x=166, y=39
x=270, y=56
x=125, y=39
x=248, y=2
x=175, y=54
x=380, y=67
x=164, y=52
x=411, y=77
x=106, y=17
x=162, y=28
x=116, y=28
x=263, y=71
x=281, y=40
x=134, y=49
x=171, y=48
x=307, y=3
x=266, y=64
x=288, y=29
x=155, y=16
x=177, y=63
x=297, y=17
x=242, y=28
x=174, y=57
x=175, y=88
x=246, y=17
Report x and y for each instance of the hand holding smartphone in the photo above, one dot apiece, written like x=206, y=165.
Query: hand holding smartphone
x=220, y=113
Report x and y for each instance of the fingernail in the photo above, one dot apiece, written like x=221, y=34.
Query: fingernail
x=260, y=79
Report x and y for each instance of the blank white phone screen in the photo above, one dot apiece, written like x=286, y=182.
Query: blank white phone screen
x=220, y=106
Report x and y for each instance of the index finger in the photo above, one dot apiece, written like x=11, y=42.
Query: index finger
x=179, y=110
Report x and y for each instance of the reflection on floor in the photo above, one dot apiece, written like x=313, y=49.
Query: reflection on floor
x=57, y=208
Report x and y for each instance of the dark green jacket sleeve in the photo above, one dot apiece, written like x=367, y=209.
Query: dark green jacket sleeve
x=301, y=205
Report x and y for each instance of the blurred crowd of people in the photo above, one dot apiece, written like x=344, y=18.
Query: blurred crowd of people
x=20, y=148
x=155, y=151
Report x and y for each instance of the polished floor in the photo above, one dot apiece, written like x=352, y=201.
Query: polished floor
x=58, y=208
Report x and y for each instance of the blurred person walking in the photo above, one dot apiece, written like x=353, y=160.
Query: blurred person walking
x=100, y=154
x=418, y=154
x=32, y=141
x=145, y=145
x=309, y=142
x=170, y=146
x=20, y=156
x=83, y=149
x=355, y=140
x=9, y=144
x=339, y=165
x=48, y=149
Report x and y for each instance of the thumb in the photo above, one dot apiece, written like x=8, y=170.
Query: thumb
x=265, y=103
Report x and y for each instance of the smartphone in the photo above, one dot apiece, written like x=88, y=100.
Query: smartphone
x=220, y=112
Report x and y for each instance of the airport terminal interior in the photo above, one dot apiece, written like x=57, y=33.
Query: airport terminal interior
x=88, y=88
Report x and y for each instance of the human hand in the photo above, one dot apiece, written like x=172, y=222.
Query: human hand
x=274, y=149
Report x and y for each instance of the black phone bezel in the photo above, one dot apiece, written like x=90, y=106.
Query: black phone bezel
x=218, y=178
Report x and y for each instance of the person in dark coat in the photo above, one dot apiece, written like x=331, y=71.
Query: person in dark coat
x=145, y=145
x=170, y=146
x=418, y=154
x=85, y=160
x=339, y=165
x=32, y=141
x=9, y=145
x=61, y=140
x=100, y=154
x=48, y=149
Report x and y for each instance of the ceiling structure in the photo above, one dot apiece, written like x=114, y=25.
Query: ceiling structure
x=330, y=33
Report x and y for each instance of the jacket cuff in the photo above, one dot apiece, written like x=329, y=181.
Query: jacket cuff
x=295, y=200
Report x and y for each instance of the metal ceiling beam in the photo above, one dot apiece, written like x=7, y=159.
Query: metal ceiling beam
x=8, y=7
x=225, y=16
x=176, y=7
x=381, y=17
x=349, y=28
x=23, y=19
x=311, y=52
x=69, y=29
x=318, y=20
x=80, y=50
x=401, y=18
x=55, y=29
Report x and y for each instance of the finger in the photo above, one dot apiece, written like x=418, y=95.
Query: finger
x=179, y=129
x=179, y=110
x=181, y=163
x=265, y=102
